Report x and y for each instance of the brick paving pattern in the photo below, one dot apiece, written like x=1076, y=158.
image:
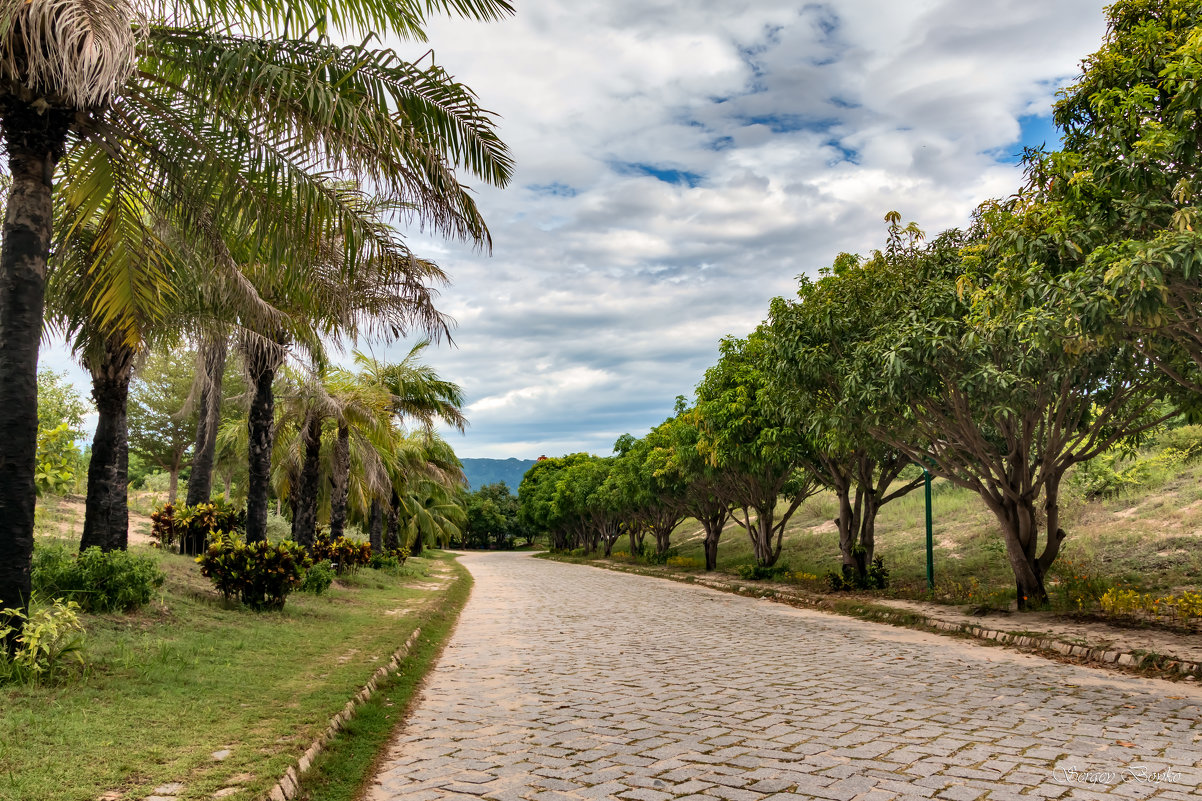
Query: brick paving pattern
x=569, y=682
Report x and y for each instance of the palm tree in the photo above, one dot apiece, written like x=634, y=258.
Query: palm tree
x=187, y=102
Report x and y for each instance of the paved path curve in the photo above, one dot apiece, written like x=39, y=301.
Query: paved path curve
x=566, y=682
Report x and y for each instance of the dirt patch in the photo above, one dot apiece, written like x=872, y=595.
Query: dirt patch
x=67, y=515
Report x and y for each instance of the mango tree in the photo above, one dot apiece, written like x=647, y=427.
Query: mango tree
x=986, y=376
x=814, y=340
x=759, y=457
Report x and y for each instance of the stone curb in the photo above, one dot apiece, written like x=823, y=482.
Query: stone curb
x=289, y=784
x=1127, y=659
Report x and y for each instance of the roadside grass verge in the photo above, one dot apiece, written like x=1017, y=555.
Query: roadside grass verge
x=346, y=766
x=189, y=676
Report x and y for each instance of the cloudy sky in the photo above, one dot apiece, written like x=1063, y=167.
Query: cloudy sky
x=679, y=163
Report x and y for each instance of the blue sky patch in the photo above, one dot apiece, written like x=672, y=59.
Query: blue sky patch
x=665, y=174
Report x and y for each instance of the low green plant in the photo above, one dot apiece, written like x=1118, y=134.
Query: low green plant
x=762, y=572
x=1076, y=587
x=391, y=560
x=684, y=562
x=50, y=644
x=347, y=555
x=260, y=574
x=875, y=578
x=96, y=580
x=653, y=557
x=317, y=578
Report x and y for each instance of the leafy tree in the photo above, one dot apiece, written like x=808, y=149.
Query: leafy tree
x=993, y=385
x=676, y=459
x=648, y=496
x=537, y=496
x=814, y=341
x=1117, y=210
x=59, y=403
x=491, y=517
x=159, y=431
x=759, y=457
x=61, y=411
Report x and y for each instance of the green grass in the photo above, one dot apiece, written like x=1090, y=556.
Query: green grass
x=346, y=766
x=189, y=675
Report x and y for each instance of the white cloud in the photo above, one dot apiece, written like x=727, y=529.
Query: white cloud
x=678, y=164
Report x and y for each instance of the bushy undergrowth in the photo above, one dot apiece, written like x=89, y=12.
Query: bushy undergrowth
x=191, y=526
x=260, y=574
x=875, y=578
x=317, y=578
x=96, y=580
x=50, y=645
x=346, y=554
x=391, y=560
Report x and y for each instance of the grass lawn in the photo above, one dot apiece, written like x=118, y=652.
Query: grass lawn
x=189, y=676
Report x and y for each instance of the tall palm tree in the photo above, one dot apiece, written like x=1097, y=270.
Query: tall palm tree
x=189, y=100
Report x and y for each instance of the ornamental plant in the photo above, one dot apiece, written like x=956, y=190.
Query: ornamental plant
x=49, y=643
x=347, y=555
x=260, y=574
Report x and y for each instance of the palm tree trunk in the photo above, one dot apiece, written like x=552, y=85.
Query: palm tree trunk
x=392, y=531
x=106, y=509
x=262, y=361
x=375, y=527
x=213, y=352
x=34, y=143
x=340, y=481
x=304, y=493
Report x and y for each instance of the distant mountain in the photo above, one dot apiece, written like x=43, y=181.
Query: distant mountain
x=491, y=471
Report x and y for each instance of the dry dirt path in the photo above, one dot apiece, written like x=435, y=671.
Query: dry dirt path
x=566, y=682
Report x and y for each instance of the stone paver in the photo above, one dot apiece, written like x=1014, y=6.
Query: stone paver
x=568, y=682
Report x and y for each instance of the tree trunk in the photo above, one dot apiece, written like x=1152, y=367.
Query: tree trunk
x=173, y=483
x=34, y=143
x=1020, y=531
x=417, y=544
x=212, y=356
x=713, y=525
x=262, y=361
x=375, y=527
x=392, y=531
x=304, y=491
x=106, y=509
x=341, y=482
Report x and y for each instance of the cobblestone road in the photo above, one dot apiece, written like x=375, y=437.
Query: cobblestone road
x=569, y=682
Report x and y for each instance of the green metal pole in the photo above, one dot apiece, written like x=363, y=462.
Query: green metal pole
x=926, y=474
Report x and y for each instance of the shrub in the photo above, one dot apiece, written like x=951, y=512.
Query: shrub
x=877, y=578
x=96, y=580
x=317, y=579
x=260, y=573
x=392, y=559
x=193, y=525
x=162, y=526
x=684, y=563
x=347, y=555
x=653, y=557
x=1076, y=587
x=762, y=573
x=49, y=646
